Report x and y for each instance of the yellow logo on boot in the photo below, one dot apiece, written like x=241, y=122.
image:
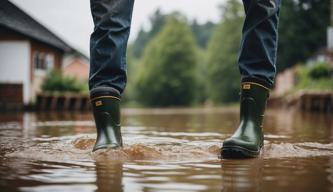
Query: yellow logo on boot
x=247, y=86
x=98, y=103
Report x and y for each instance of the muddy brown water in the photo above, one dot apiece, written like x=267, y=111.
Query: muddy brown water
x=165, y=150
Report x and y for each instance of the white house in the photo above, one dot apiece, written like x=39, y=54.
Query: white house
x=27, y=51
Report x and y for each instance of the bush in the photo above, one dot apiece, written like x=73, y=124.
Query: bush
x=57, y=82
x=315, y=77
x=320, y=70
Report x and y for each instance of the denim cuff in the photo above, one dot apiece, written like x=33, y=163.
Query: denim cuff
x=104, y=91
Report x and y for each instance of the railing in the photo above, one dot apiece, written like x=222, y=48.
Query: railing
x=62, y=102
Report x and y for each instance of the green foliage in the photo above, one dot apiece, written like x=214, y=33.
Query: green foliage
x=223, y=74
x=132, y=65
x=57, y=82
x=161, y=68
x=201, y=74
x=157, y=21
x=302, y=23
x=315, y=77
x=320, y=70
x=202, y=32
x=166, y=73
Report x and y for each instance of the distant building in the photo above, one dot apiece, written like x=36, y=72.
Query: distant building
x=27, y=51
x=77, y=67
x=323, y=55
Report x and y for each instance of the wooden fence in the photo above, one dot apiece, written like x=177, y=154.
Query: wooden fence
x=311, y=101
x=316, y=102
x=63, y=102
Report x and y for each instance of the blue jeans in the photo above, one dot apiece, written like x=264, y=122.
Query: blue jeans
x=108, y=45
x=257, y=58
x=112, y=20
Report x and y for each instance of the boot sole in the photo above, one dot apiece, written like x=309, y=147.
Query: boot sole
x=237, y=152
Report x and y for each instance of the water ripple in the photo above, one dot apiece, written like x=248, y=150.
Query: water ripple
x=70, y=148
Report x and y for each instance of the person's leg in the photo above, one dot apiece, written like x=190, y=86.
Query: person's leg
x=107, y=78
x=108, y=44
x=257, y=67
x=258, y=50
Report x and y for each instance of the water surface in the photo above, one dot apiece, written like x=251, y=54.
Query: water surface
x=165, y=150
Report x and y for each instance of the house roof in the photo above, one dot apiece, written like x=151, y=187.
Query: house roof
x=17, y=20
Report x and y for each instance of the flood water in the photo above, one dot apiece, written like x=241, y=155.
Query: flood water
x=165, y=150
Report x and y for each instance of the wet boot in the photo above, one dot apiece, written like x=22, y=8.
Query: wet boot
x=107, y=119
x=248, y=139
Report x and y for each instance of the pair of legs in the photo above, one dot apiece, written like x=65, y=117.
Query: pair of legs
x=257, y=58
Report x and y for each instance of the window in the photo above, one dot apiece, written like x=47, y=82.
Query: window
x=49, y=61
x=43, y=61
x=36, y=60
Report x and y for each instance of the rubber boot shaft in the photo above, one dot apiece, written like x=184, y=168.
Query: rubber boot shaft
x=248, y=139
x=106, y=112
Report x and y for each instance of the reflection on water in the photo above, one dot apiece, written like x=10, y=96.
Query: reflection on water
x=165, y=150
x=242, y=175
x=109, y=175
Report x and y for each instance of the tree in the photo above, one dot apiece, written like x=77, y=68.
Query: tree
x=223, y=73
x=157, y=21
x=202, y=32
x=166, y=73
x=303, y=23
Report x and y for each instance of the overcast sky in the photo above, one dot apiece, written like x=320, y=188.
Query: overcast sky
x=71, y=19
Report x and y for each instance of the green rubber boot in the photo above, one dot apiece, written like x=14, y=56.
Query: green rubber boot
x=248, y=139
x=107, y=119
